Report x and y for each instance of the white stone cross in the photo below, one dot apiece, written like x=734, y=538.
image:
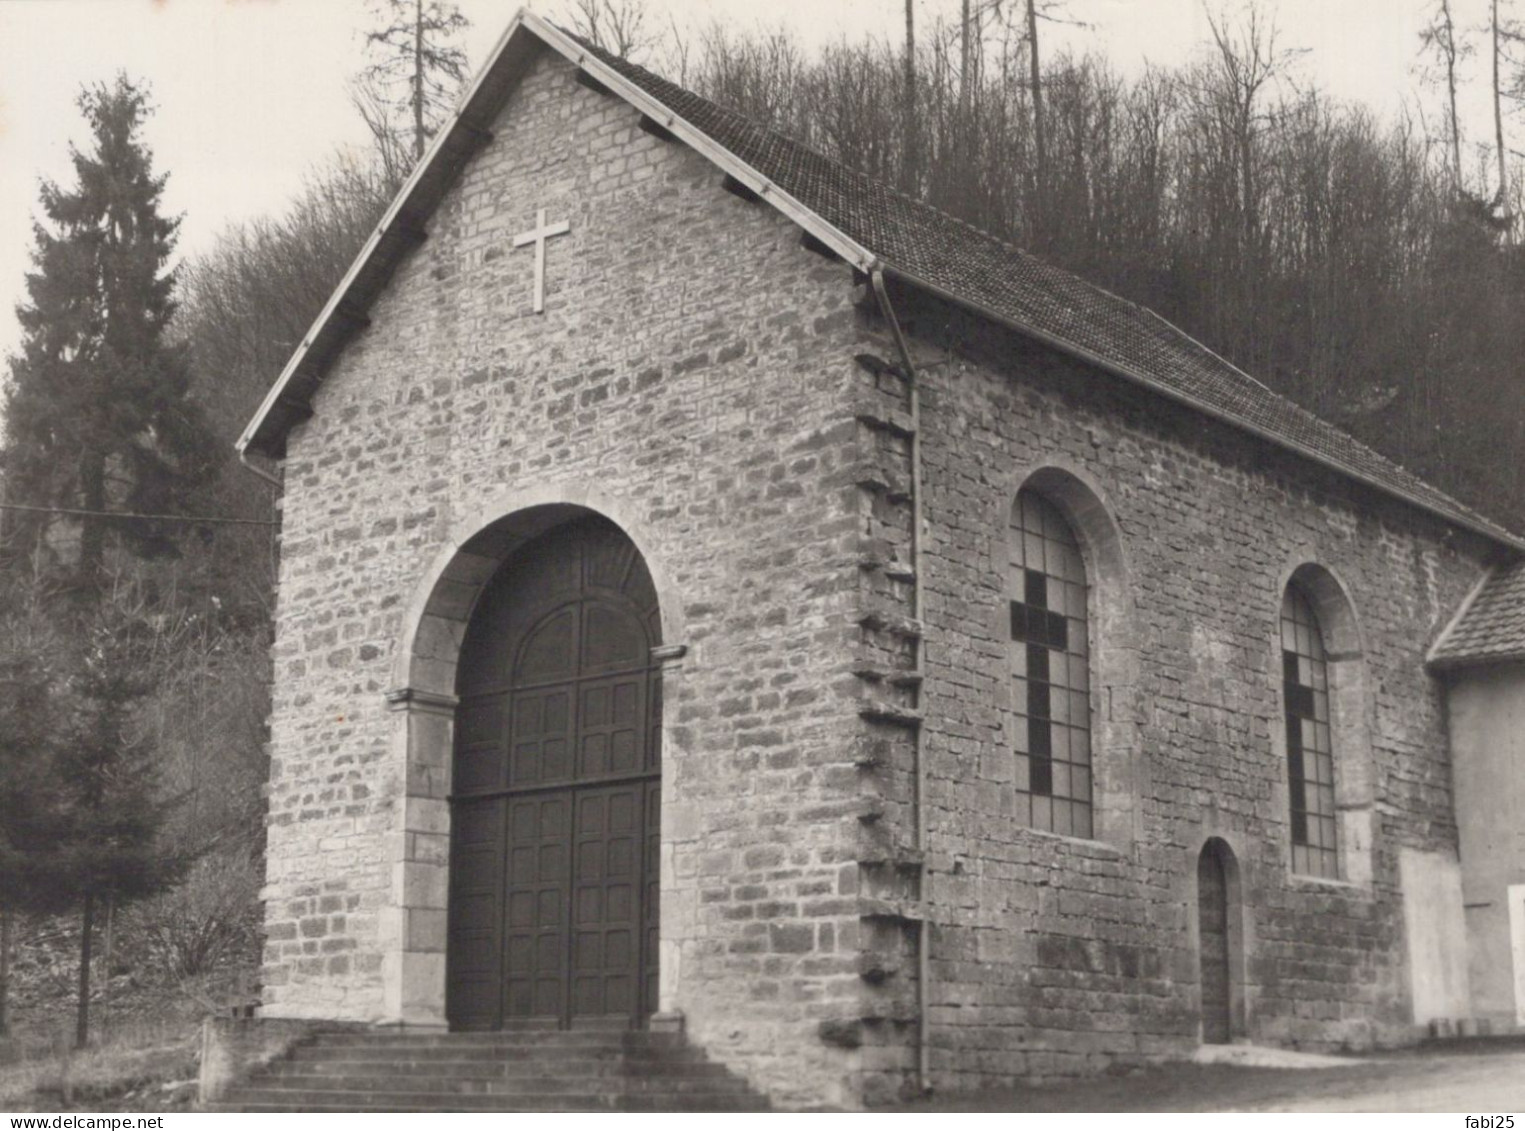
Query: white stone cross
x=537, y=236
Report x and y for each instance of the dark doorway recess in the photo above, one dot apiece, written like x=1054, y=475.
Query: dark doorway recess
x=1214, y=895
x=555, y=805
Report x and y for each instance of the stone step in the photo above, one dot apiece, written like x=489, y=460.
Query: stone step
x=503, y=1085
x=487, y=1069
x=257, y=1100
x=463, y=1054
x=555, y=1039
x=514, y=1070
x=250, y=1099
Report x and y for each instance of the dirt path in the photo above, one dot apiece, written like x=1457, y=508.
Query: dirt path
x=1471, y=1084
x=1478, y=1078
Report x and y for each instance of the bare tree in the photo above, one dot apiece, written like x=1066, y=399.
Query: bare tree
x=908, y=118
x=1440, y=39
x=1248, y=61
x=391, y=150
x=1035, y=73
x=617, y=26
x=1502, y=196
x=420, y=69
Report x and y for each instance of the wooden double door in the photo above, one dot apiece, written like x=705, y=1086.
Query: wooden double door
x=556, y=791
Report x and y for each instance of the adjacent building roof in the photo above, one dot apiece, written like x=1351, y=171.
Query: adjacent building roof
x=1491, y=626
x=873, y=227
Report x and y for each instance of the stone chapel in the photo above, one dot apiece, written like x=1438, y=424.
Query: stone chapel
x=720, y=593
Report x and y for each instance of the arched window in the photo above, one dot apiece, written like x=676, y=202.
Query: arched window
x=1310, y=752
x=1050, y=669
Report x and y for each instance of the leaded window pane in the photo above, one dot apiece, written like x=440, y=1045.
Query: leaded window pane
x=1310, y=757
x=1049, y=669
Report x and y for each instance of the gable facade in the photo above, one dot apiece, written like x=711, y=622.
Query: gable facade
x=863, y=868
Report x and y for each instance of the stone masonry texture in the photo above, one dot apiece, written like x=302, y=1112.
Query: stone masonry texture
x=695, y=363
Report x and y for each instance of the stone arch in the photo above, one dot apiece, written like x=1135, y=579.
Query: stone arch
x=1112, y=627
x=1351, y=710
x=480, y=542
x=1218, y=936
x=412, y=924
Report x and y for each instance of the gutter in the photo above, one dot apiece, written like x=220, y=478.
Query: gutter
x=269, y=477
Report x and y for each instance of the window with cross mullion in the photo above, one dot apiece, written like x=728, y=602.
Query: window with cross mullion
x=1310, y=754
x=1050, y=669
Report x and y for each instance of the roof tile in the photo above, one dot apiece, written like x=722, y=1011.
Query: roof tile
x=926, y=244
x=1492, y=627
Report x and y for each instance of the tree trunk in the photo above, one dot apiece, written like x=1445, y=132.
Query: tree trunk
x=1498, y=116
x=418, y=79
x=966, y=55
x=5, y=973
x=909, y=131
x=1450, y=54
x=82, y=1017
x=1040, y=146
x=92, y=531
x=106, y=979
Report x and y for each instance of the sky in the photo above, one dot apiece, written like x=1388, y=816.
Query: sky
x=251, y=95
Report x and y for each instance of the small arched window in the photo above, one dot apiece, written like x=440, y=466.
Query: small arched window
x=1310, y=752
x=1050, y=669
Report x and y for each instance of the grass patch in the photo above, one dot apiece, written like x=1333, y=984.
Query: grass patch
x=139, y=1068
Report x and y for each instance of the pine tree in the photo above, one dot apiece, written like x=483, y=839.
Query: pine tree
x=108, y=785
x=33, y=820
x=97, y=415
x=80, y=804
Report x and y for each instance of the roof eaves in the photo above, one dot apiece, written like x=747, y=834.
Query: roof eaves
x=1063, y=345
x=697, y=139
x=1476, y=660
x=397, y=225
x=1435, y=657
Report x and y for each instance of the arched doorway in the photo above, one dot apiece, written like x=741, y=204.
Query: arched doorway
x=556, y=788
x=1216, y=895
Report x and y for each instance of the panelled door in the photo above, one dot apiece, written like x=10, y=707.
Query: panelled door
x=556, y=789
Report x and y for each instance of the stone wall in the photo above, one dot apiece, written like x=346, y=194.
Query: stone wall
x=1054, y=955
x=693, y=369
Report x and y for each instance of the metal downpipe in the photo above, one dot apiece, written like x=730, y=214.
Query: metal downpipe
x=923, y=928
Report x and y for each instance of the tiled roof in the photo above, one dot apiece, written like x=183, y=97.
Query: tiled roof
x=874, y=227
x=1492, y=625
x=927, y=246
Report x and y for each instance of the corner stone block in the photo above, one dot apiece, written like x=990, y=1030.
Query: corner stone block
x=390, y=923
x=439, y=638
x=428, y=848
x=427, y=815
x=423, y=987
x=430, y=736
x=417, y=885
x=426, y=930
x=680, y=822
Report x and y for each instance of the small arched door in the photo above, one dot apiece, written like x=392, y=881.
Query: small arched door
x=1214, y=898
x=556, y=789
